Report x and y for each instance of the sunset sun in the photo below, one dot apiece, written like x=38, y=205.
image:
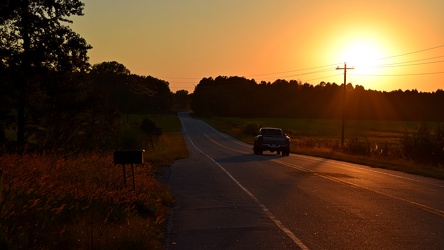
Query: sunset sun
x=363, y=57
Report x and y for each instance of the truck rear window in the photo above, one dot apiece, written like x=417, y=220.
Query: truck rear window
x=271, y=132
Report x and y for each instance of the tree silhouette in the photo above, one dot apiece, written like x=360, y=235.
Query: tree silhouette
x=109, y=80
x=181, y=99
x=130, y=93
x=150, y=128
x=39, y=52
x=237, y=96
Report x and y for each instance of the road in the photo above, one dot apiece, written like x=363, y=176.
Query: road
x=229, y=198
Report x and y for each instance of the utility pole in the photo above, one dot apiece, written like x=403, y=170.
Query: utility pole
x=343, y=100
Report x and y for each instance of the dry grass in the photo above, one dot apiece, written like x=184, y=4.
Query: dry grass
x=79, y=203
x=50, y=201
x=167, y=148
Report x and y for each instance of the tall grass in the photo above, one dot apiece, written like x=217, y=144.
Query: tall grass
x=78, y=202
x=166, y=148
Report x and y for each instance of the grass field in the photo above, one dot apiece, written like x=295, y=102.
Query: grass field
x=170, y=146
x=49, y=201
x=381, y=131
x=317, y=137
x=168, y=123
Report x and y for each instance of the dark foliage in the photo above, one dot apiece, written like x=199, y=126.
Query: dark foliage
x=224, y=96
x=251, y=129
x=181, y=100
x=356, y=146
x=238, y=96
x=424, y=146
x=131, y=93
x=43, y=65
x=150, y=128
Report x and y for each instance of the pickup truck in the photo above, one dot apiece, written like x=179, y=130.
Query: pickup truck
x=271, y=139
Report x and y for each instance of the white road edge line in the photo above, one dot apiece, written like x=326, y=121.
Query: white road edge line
x=338, y=161
x=263, y=207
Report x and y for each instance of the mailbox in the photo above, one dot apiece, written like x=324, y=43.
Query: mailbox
x=128, y=157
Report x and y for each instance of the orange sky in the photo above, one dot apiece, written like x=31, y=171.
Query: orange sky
x=396, y=44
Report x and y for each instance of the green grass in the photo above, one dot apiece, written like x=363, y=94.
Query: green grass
x=170, y=146
x=168, y=123
x=310, y=137
x=380, y=130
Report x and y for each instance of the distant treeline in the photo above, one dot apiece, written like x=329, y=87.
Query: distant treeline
x=238, y=96
x=130, y=93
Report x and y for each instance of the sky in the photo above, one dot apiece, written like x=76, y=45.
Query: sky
x=395, y=44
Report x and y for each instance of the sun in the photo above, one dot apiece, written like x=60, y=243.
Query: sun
x=364, y=57
x=367, y=54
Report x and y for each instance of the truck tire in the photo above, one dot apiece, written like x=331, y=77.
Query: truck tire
x=286, y=152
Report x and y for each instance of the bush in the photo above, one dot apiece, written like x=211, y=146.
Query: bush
x=422, y=147
x=150, y=129
x=290, y=132
x=358, y=147
x=251, y=129
x=131, y=138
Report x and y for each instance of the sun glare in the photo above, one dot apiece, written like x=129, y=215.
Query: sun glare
x=363, y=57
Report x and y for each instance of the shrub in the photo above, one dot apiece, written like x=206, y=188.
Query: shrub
x=150, y=129
x=131, y=138
x=290, y=132
x=358, y=147
x=251, y=129
x=422, y=147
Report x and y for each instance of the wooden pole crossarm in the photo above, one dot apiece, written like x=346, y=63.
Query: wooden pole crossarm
x=343, y=100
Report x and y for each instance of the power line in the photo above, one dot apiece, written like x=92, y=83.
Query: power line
x=138, y=88
x=398, y=64
x=422, y=61
x=301, y=74
x=414, y=52
x=408, y=74
x=264, y=74
x=309, y=73
x=322, y=77
x=405, y=64
x=408, y=63
x=295, y=70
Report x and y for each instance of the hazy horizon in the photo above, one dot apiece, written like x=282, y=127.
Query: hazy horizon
x=392, y=44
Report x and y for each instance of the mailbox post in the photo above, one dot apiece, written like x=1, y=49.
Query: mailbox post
x=128, y=157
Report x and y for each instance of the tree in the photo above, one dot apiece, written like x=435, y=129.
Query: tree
x=181, y=99
x=110, y=68
x=225, y=96
x=110, y=80
x=150, y=128
x=131, y=93
x=38, y=52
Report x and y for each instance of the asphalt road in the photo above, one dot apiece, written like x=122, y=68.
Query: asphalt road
x=229, y=198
